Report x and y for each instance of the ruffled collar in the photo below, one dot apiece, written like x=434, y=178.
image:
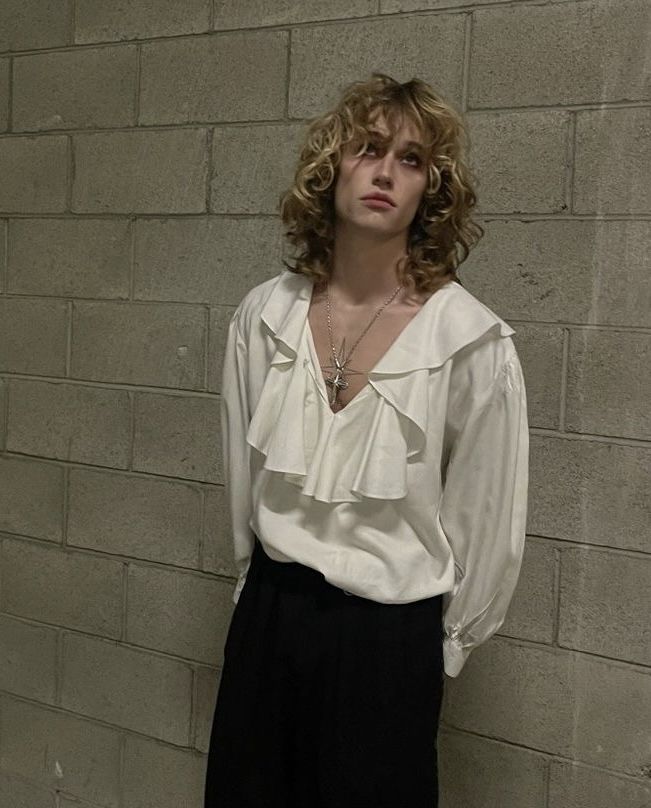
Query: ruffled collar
x=299, y=439
x=450, y=319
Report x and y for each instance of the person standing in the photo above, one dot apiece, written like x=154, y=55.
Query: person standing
x=375, y=444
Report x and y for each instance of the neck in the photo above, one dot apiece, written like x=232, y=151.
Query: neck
x=365, y=270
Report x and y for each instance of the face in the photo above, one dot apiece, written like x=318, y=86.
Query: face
x=397, y=169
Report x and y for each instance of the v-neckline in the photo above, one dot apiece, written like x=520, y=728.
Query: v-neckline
x=314, y=356
x=318, y=373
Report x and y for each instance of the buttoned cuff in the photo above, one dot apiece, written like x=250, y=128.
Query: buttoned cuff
x=454, y=655
x=239, y=586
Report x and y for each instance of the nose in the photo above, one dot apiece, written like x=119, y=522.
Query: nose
x=383, y=179
x=384, y=169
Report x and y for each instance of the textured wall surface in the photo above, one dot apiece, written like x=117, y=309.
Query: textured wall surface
x=143, y=146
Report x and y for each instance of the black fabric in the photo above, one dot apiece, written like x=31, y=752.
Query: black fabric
x=326, y=700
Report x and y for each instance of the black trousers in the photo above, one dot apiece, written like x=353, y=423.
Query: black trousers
x=326, y=700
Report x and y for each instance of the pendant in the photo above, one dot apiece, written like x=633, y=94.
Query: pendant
x=338, y=381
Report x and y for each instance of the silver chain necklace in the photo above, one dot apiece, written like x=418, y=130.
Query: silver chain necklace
x=338, y=381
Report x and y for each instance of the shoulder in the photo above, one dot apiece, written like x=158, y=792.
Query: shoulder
x=464, y=327
x=465, y=303
x=251, y=305
x=491, y=329
x=485, y=357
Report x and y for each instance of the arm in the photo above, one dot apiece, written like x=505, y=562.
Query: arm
x=483, y=513
x=235, y=418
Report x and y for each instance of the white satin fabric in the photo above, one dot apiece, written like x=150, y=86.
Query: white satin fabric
x=417, y=487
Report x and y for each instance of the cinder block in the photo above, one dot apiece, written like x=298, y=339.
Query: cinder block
x=74, y=802
x=532, y=611
x=33, y=336
x=181, y=613
x=137, y=690
x=235, y=14
x=480, y=773
x=27, y=24
x=31, y=498
x=519, y=161
x=158, y=520
x=75, y=89
x=605, y=602
x=34, y=173
x=612, y=715
x=254, y=184
x=3, y=411
x=138, y=19
x=28, y=655
x=206, y=687
x=69, y=422
x=612, y=171
x=393, y=6
x=326, y=57
x=511, y=60
x=18, y=793
x=139, y=343
x=590, y=491
x=606, y=395
x=178, y=436
x=530, y=689
x=161, y=776
x=120, y=172
x=540, y=349
x=217, y=538
x=576, y=786
x=564, y=271
x=69, y=257
x=3, y=251
x=60, y=750
x=568, y=704
x=60, y=587
x=204, y=259
x=187, y=80
x=4, y=94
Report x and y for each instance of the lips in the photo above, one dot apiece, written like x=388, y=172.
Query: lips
x=379, y=198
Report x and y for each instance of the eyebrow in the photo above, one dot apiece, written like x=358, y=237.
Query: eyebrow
x=410, y=144
x=414, y=144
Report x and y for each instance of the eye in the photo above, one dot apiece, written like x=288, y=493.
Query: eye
x=415, y=157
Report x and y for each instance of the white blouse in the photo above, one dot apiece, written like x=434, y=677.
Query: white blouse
x=417, y=487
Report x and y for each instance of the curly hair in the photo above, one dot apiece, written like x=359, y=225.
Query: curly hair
x=441, y=233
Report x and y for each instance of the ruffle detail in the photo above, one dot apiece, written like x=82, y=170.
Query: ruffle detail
x=364, y=450
x=360, y=452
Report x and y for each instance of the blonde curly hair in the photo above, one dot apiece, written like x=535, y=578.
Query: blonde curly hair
x=441, y=233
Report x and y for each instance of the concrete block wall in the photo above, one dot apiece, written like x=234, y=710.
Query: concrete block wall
x=143, y=146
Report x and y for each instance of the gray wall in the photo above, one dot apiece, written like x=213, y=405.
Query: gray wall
x=143, y=148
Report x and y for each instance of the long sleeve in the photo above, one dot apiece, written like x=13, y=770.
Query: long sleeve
x=483, y=513
x=235, y=418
